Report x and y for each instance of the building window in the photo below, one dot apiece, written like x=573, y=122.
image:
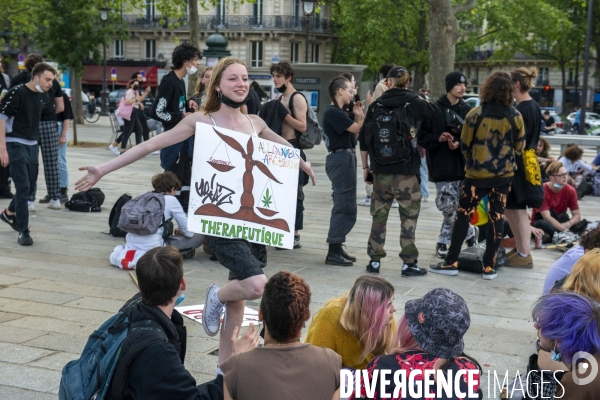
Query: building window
x=257, y=12
x=295, y=56
x=314, y=53
x=257, y=54
x=543, y=76
x=297, y=13
x=118, y=45
x=150, y=9
x=150, y=49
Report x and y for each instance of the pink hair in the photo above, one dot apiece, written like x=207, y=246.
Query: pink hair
x=405, y=341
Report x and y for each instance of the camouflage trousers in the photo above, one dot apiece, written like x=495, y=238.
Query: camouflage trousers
x=407, y=191
x=446, y=201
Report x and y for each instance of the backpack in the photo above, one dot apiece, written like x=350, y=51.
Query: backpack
x=313, y=134
x=90, y=376
x=143, y=215
x=471, y=259
x=115, y=214
x=389, y=134
x=89, y=201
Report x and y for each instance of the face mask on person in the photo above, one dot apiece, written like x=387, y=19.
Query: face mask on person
x=136, y=87
x=557, y=185
x=180, y=298
x=38, y=87
x=554, y=355
x=231, y=103
x=282, y=89
x=192, y=70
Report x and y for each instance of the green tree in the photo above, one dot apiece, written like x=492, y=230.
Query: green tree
x=375, y=32
x=17, y=21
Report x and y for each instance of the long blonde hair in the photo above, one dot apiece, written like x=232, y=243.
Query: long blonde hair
x=585, y=276
x=365, y=314
x=212, y=97
x=200, y=85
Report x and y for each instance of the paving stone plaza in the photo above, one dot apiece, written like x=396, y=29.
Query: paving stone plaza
x=55, y=293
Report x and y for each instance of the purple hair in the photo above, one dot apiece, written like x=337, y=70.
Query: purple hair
x=572, y=320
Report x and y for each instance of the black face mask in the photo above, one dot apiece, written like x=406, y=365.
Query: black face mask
x=282, y=88
x=233, y=104
x=136, y=87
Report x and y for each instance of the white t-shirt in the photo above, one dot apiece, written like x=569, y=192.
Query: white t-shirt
x=571, y=166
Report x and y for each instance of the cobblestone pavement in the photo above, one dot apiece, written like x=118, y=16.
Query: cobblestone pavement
x=56, y=292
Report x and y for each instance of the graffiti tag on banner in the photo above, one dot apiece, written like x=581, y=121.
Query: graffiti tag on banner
x=243, y=187
x=195, y=313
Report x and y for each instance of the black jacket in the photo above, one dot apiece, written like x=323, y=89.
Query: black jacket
x=419, y=110
x=158, y=371
x=443, y=164
x=168, y=108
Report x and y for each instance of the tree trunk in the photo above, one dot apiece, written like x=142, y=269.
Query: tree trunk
x=564, y=88
x=443, y=34
x=419, y=79
x=422, y=44
x=76, y=96
x=194, y=41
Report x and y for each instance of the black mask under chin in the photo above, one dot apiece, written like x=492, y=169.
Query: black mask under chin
x=233, y=104
x=282, y=88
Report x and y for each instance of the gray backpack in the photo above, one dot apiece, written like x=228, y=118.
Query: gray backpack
x=143, y=215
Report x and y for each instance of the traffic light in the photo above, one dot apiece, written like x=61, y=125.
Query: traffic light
x=547, y=88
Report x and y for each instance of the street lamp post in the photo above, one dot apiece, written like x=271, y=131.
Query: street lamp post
x=586, y=66
x=309, y=8
x=104, y=93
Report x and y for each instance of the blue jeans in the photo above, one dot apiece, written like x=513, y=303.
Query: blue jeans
x=424, y=179
x=24, y=171
x=62, y=159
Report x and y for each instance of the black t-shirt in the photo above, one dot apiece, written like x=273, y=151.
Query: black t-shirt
x=548, y=122
x=49, y=109
x=335, y=123
x=67, y=114
x=532, y=115
x=25, y=106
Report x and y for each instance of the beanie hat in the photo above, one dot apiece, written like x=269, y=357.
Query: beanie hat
x=453, y=78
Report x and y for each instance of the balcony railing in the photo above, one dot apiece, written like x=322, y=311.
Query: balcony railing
x=542, y=82
x=234, y=23
x=479, y=55
x=573, y=82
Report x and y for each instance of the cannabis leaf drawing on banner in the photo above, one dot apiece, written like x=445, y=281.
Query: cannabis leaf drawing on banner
x=266, y=200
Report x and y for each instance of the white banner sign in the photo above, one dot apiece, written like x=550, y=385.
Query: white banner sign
x=195, y=313
x=243, y=187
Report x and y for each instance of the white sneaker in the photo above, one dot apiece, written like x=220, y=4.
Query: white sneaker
x=114, y=149
x=394, y=204
x=425, y=199
x=31, y=206
x=365, y=201
x=54, y=204
x=211, y=315
x=155, y=153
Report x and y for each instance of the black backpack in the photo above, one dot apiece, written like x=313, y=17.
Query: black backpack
x=115, y=214
x=389, y=134
x=89, y=201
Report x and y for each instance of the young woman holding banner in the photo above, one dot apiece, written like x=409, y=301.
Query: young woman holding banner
x=226, y=94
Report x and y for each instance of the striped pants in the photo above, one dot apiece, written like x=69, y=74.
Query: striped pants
x=48, y=141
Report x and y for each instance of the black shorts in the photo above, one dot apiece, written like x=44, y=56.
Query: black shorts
x=242, y=258
x=511, y=201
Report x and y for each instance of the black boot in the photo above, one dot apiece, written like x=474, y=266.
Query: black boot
x=346, y=255
x=64, y=195
x=335, y=257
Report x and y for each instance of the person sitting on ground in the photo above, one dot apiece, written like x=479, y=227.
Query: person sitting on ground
x=359, y=325
x=126, y=255
x=543, y=157
x=158, y=372
x=563, y=266
x=571, y=159
x=430, y=336
x=575, y=331
x=559, y=197
x=548, y=124
x=596, y=162
x=268, y=372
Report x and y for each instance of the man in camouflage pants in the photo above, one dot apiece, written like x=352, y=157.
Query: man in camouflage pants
x=407, y=190
x=394, y=170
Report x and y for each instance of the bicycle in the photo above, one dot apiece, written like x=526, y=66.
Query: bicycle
x=90, y=114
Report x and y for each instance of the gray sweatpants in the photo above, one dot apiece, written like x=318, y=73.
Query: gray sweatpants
x=446, y=200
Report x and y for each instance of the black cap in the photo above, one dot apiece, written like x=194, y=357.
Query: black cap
x=397, y=72
x=453, y=78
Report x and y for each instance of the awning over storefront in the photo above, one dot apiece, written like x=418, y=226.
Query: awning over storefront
x=94, y=74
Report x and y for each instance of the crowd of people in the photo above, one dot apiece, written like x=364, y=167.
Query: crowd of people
x=491, y=155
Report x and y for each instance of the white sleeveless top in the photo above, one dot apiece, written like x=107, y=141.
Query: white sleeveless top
x=253, y=130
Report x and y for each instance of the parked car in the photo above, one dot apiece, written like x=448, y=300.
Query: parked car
x=592, y=119
x=472, y=101
x=114, y=98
